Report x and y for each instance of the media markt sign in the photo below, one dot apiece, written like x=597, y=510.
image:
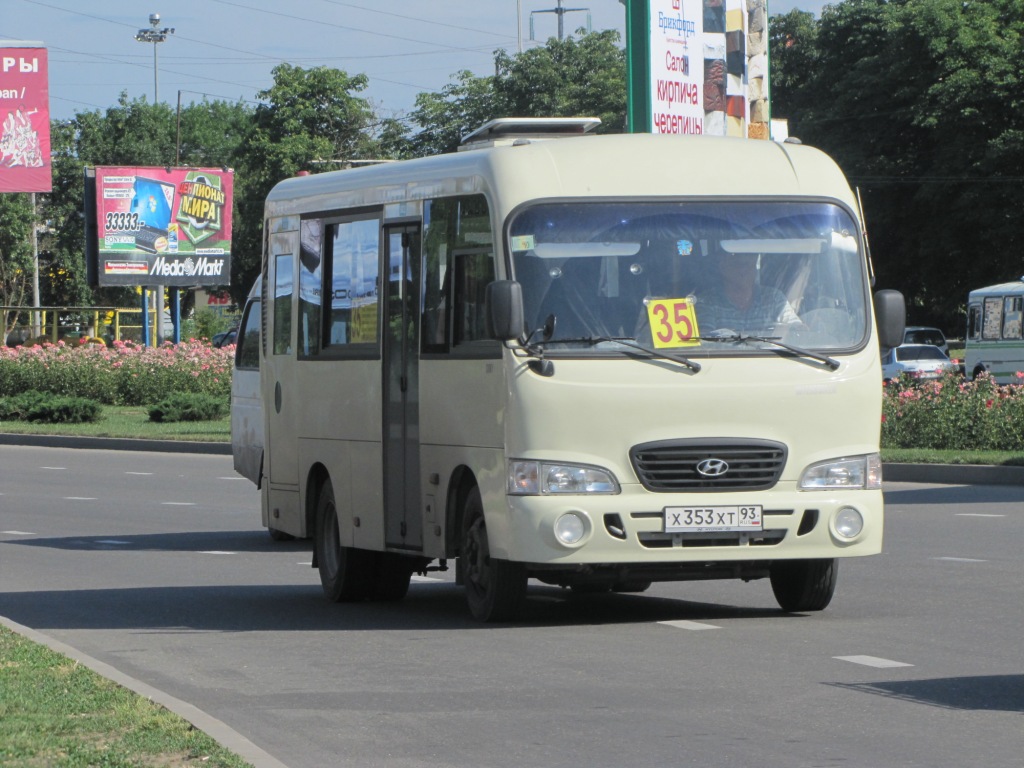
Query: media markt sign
x=163, y=226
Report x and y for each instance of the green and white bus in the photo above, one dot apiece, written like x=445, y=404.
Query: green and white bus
x=993, y=342
x=592, y=361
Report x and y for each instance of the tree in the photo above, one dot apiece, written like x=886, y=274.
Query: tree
x=920, y=102
x=563, y=78
x=310, y=120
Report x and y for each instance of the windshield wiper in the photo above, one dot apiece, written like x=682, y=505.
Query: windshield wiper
x=626, y=341
x=831, y=362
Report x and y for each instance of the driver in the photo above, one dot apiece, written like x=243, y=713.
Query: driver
x=739, y=302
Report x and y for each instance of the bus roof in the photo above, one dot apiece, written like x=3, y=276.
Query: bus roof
x=1012, y=288
x=614, y=165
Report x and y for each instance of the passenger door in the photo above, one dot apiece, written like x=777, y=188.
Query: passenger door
x=403, y=524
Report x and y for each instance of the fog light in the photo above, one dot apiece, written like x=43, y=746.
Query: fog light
x=570, y=528
x=849, y=523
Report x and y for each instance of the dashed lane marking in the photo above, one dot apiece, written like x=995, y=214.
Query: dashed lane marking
x=691, y=625
x=177, y=503
x=18, y=533
x=976, y=514
x=79, y=498
x=144, y=474
x=873, y=661
x=960, y=559
x=216, y=552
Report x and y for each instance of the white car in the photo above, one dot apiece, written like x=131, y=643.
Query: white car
x=922, y=362
x=919, y=334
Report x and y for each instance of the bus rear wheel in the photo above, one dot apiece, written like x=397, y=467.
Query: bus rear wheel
x=495, y=588
x=804, y=585
x=345, y=572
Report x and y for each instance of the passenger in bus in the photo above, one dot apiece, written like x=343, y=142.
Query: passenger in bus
x=739, y=302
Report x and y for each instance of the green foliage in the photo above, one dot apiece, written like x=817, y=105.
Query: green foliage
x=953, y=414
x=919, y=102
x=123, y=374
x=48, y=408
x=181, y=406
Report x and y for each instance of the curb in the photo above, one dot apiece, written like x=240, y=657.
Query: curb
x=216, y=729
x=953, y=474
x=116, y=444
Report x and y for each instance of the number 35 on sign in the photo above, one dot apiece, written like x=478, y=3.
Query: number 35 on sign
x=673, y=322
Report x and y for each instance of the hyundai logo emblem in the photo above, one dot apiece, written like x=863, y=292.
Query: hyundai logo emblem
x=713, y=467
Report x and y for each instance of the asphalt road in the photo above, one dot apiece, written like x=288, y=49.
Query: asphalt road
x=156, y=565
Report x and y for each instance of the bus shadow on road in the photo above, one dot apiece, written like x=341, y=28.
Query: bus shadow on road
x=302, y=607
x=187, y=541
x=1001, y=693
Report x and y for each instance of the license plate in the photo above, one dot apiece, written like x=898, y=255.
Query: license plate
x=700, y=519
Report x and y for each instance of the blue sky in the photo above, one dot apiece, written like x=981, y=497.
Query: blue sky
x=226, y=49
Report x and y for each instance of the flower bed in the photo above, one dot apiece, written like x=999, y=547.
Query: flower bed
x=953, y=413
x=123, y=374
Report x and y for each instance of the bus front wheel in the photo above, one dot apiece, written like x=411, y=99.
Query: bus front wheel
x=495, y=588
x=804, y=585
x=345, y=572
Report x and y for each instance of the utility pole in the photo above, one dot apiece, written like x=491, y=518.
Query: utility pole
x=560, y=12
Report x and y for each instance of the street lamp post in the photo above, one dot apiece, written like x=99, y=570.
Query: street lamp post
x=153, y=35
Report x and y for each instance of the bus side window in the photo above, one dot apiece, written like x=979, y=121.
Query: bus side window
x=473, y=273
x=247, y=354
x=974, y=322
x=993, y=322
x=283, y=304
x=1012, y=317
x=352, y=279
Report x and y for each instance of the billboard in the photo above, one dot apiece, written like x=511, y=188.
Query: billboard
x=24, y=120
x=159, y=226
x=709, y=67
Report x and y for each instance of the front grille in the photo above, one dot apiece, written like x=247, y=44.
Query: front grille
x=670, y=466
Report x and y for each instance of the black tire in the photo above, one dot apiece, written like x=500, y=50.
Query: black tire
x=804, y=585
x=631, y=585
x=393, y=576
x=345, y=572
x=495, y=588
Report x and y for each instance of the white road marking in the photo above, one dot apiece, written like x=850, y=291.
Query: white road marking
x=960, y=559
x=216, y=552
x=976, y=514
x=18, y=533
x=236, y=477
x=424, y=578
x=691, y=625
x=117, y=542
x=53, y=468
x=139, y=473
x=308, y=563
x=873, y=661
x=80, y=498
x=178, y=503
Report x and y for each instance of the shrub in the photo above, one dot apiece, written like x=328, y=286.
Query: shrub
x=952, y=413
x=49, y=409
x=123, y=374
x=181, y=406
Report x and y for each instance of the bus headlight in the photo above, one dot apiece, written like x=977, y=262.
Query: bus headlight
x=535, y=478
x=855, y=472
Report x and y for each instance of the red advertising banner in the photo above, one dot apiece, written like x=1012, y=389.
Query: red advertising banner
x=24, y=121
x=163, y=226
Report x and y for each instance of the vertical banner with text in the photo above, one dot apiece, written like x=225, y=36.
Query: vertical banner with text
x=709, y=67
x=24, y=120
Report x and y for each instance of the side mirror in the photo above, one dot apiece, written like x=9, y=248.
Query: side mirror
x=504, y=310
x=891, y=318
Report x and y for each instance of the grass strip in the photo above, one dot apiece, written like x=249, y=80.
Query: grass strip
x=129, y=422
x=56, y=713
x=931, y=456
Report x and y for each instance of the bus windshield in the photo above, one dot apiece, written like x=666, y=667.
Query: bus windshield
x=722, y=277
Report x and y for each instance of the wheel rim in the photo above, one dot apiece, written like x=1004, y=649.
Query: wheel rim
x=331, y=543
x=478, y=557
